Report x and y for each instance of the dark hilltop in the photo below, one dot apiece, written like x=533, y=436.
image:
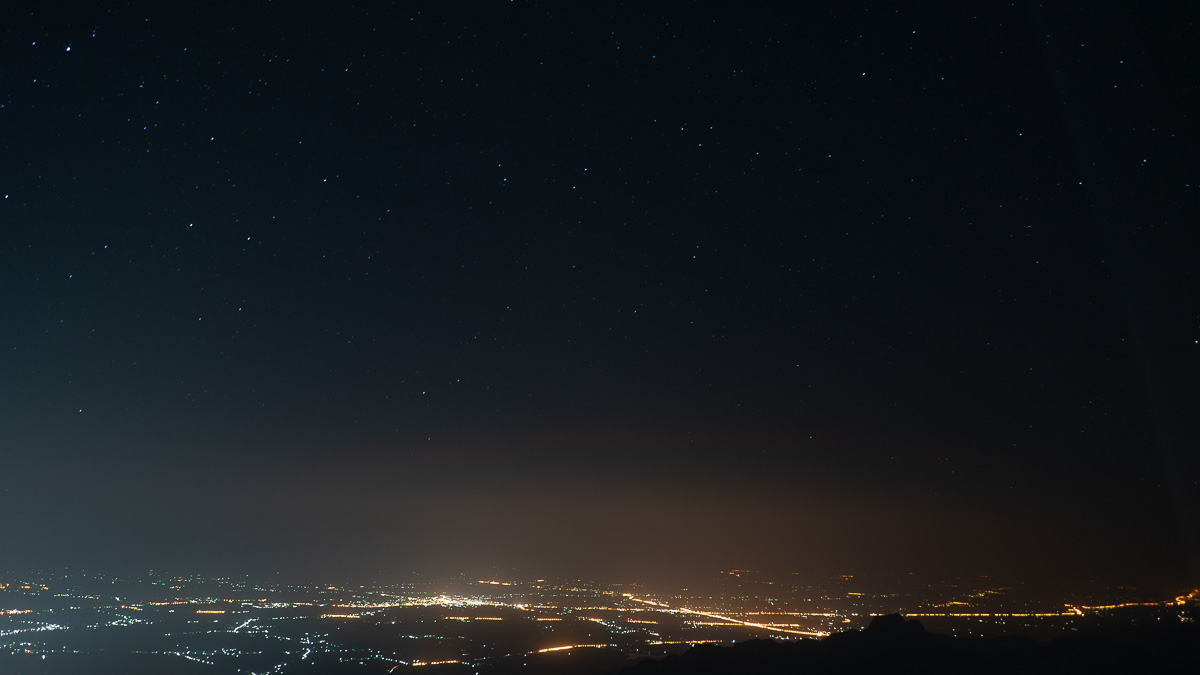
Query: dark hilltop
x=892, y=644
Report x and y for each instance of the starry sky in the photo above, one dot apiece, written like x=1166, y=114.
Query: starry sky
x=607, y=290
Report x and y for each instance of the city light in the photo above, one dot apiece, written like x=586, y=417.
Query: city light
x=280, y=622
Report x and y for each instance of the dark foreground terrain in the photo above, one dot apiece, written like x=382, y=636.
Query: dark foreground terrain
x=892, y=644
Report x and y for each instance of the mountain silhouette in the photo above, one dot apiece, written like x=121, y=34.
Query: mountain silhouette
x=892, y=644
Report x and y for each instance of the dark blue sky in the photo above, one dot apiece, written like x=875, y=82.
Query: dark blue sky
x=601, y=290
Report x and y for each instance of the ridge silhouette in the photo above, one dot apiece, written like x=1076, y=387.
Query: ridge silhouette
x=892, y=644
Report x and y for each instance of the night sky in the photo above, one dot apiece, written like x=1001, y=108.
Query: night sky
x=598, y=289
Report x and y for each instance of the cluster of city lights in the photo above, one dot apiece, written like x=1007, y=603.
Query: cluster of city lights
x=287, y=624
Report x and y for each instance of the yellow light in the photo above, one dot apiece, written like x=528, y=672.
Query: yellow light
x=559, y=649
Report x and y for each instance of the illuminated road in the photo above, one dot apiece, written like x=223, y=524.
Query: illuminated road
x=727, y=619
